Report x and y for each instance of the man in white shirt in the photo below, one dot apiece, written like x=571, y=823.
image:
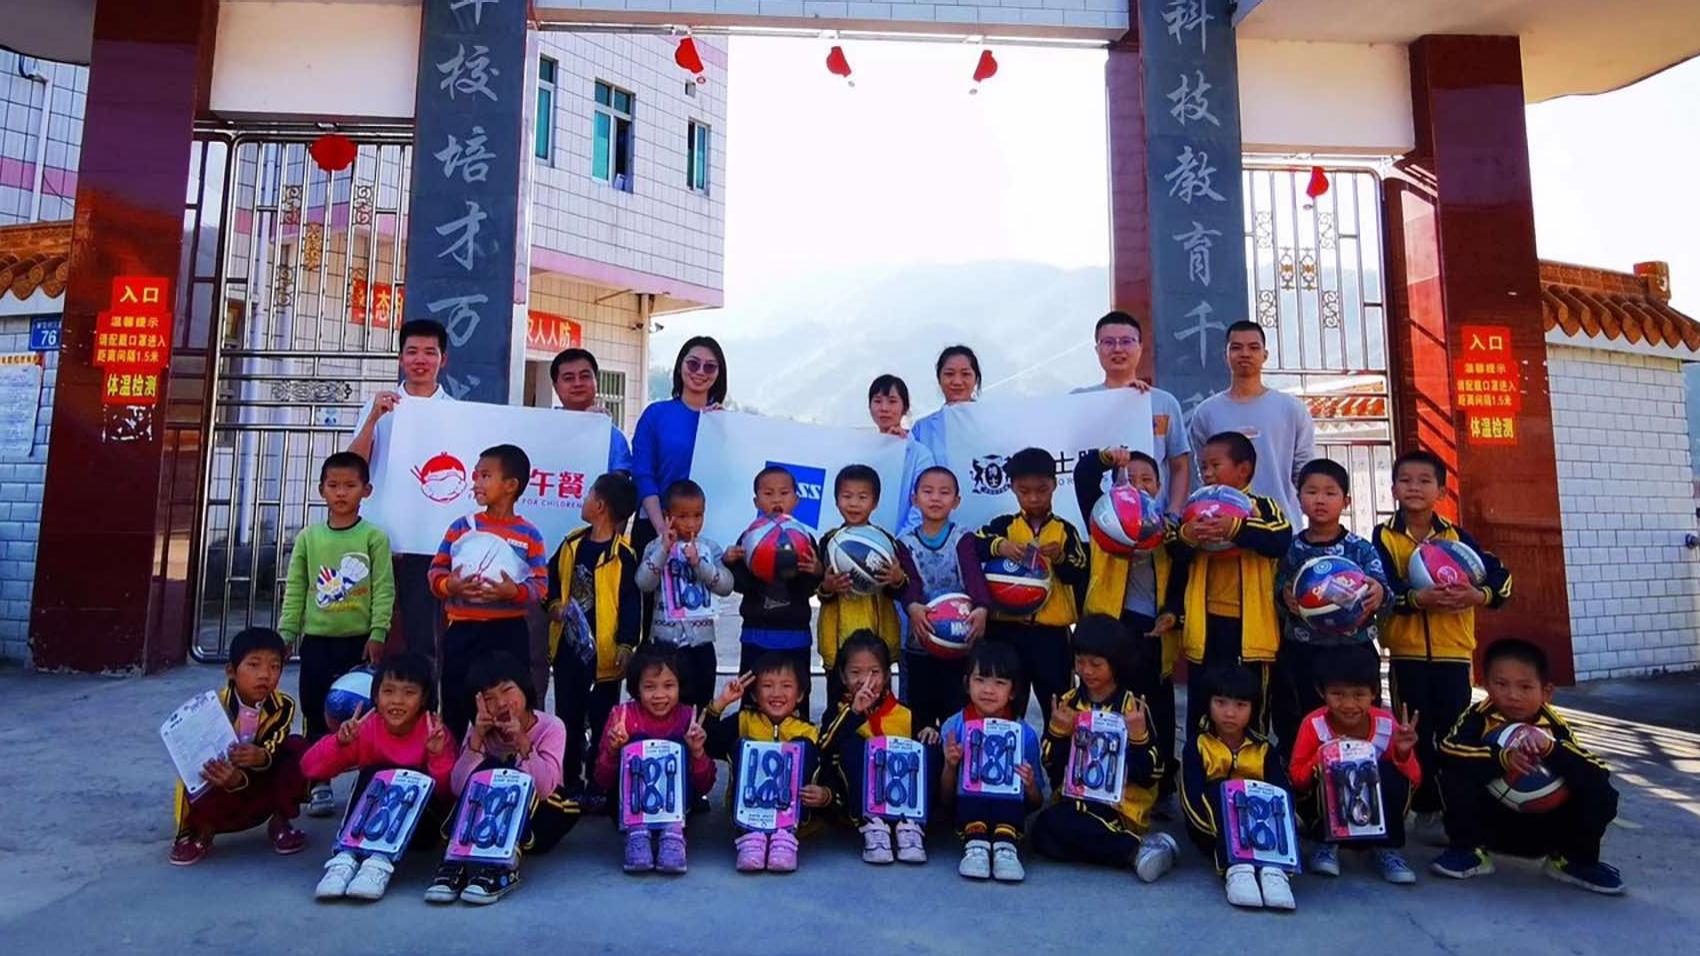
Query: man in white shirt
x=1120, y=340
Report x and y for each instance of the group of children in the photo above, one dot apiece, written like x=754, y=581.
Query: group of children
x=1264, y=693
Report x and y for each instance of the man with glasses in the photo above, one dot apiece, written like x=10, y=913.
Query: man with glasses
x=1120, y=341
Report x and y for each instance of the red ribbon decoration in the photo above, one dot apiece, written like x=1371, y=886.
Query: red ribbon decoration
x=333, y=152
x=687, y=57
x=986, y=68
x=837, y=63
x=1318, y=182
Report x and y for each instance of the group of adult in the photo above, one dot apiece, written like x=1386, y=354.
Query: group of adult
x=1278, y=424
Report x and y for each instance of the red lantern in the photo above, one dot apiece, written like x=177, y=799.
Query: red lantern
x=986, y=68
x=688, y=58
x=333, y=152
x=1318, y=182
x=837, y=63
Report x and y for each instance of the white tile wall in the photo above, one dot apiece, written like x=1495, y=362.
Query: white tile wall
x=609, y=331
x=1627, y=499
x=21, y=482
x=21, y=102
x=662, y=227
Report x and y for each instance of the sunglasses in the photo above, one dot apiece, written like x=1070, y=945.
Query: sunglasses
x=699, y=367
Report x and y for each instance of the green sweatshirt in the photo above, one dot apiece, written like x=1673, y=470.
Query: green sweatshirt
x=340, y=583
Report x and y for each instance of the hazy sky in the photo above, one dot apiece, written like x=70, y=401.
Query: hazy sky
x=908, y=167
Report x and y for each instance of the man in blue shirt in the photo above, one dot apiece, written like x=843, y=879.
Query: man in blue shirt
x=574, y=373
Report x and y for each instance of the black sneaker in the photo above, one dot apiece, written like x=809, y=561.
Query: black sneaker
x=448, y=883
x=490, y=884
x=1594, y=877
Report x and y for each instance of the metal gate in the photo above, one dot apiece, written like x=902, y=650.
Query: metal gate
x=1317, y=286
x=307, y=288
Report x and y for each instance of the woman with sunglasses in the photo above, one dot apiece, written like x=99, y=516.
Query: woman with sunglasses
x=667, y=434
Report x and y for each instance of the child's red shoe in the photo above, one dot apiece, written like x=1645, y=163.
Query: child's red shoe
x=285, y=838
x=191, y=848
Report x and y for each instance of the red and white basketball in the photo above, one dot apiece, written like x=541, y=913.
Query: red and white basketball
x=1537, y=791
x=1018, y=588
x=948, y=616
x=1330, y=592
x=1439, y=563
x=1217, y=501
x=772, y=546
x=1126, y=520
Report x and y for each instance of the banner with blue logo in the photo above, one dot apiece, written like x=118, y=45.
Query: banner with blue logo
x=733, y=446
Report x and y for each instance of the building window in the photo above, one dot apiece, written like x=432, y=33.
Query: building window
x=611, y=395
x=545, y=138
x=696, y=156
x=611, y=152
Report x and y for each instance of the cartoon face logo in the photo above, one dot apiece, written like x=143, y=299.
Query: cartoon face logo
x=989, y=477
x=442, y=478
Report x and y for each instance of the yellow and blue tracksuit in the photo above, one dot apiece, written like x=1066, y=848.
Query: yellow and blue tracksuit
x=1071, y=829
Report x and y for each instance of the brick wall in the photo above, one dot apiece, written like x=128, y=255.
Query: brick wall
x=20, y=506
x=1627, y=499
x=608, y=320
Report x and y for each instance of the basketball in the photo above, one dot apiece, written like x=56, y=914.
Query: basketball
x=1017, y=588
x=349, y=692
x=1440, y=563
x=1330, y=592
x=772, y=545
x=1125, y=521
x=1217, y=501
x=1537, y=791
x=948, y=615
x=864, y=553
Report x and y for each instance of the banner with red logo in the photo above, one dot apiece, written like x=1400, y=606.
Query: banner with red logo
x=426, y=453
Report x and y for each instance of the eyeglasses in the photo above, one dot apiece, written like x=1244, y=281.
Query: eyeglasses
x=1121, y=342
x=701, y=367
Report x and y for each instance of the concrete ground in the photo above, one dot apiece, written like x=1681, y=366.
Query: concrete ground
x=85, y=826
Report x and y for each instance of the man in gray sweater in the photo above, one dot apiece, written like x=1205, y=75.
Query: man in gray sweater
x=1278, y=424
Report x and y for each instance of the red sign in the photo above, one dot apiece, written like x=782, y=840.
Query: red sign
x=132, y=340
x=1487, y=385
x=386, y=302
x=545, y=332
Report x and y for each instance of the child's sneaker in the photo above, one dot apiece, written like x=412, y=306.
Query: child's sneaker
x=191, y=848
x=1277, y=892
x=1156, y=856
x=1241, y=881
x=976, y=860
x=1594, y=877
x=446, y=885
x=752, y=852
x=1390, y=863
x=670, y=850
x=911, y=842
x=640, y=851
x=285, y=838
x=782, y=852
x=321, y=802
x=1461, y=863
x=339, y=870
x=490, y=884
x=1006, y=863
x=1326, y=860
x=372, y=879
x=876, y=842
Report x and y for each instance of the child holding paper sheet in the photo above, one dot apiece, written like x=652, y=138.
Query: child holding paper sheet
x=990, y=826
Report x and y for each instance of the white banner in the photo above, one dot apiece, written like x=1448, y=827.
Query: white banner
x=733, y=446
x=424, y=458
x=980, y=436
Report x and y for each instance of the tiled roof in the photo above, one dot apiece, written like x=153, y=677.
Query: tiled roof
x=1632, y=308
x=33, y=256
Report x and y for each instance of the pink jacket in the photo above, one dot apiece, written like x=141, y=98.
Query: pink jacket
x=375, y=746
x=641, y=726
x=548, y=746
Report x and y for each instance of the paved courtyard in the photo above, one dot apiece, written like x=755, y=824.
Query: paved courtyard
x=85, y=823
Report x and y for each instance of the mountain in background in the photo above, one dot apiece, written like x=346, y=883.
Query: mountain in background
x=807, y=347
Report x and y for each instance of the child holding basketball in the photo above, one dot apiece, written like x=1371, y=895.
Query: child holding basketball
x=398, y=732
x=990, y=828
x=1514, y=778
x=775, y=687
x=938, y=559
x=688, y=571
x=868, y=709
x=1081, y=830
x=1325, y=490
x=1431, y=633
x=775, y=614
x=260, y=780
x=1036, y=532
x=1230, y=588
x=656, y=713
x=1146, y=591
x=848, y=605
x=594, y=621
x=1227, y=748
x=1350, y=684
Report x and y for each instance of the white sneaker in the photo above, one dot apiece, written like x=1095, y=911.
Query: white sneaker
x=1277, y=894
x=1006, y=863
x=1156, y=856
x=339, y=870
x=1241, y=880
x=321, y=802
x=911, y=842
x=373, y=878
x=876, y=842
x=976, y=860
